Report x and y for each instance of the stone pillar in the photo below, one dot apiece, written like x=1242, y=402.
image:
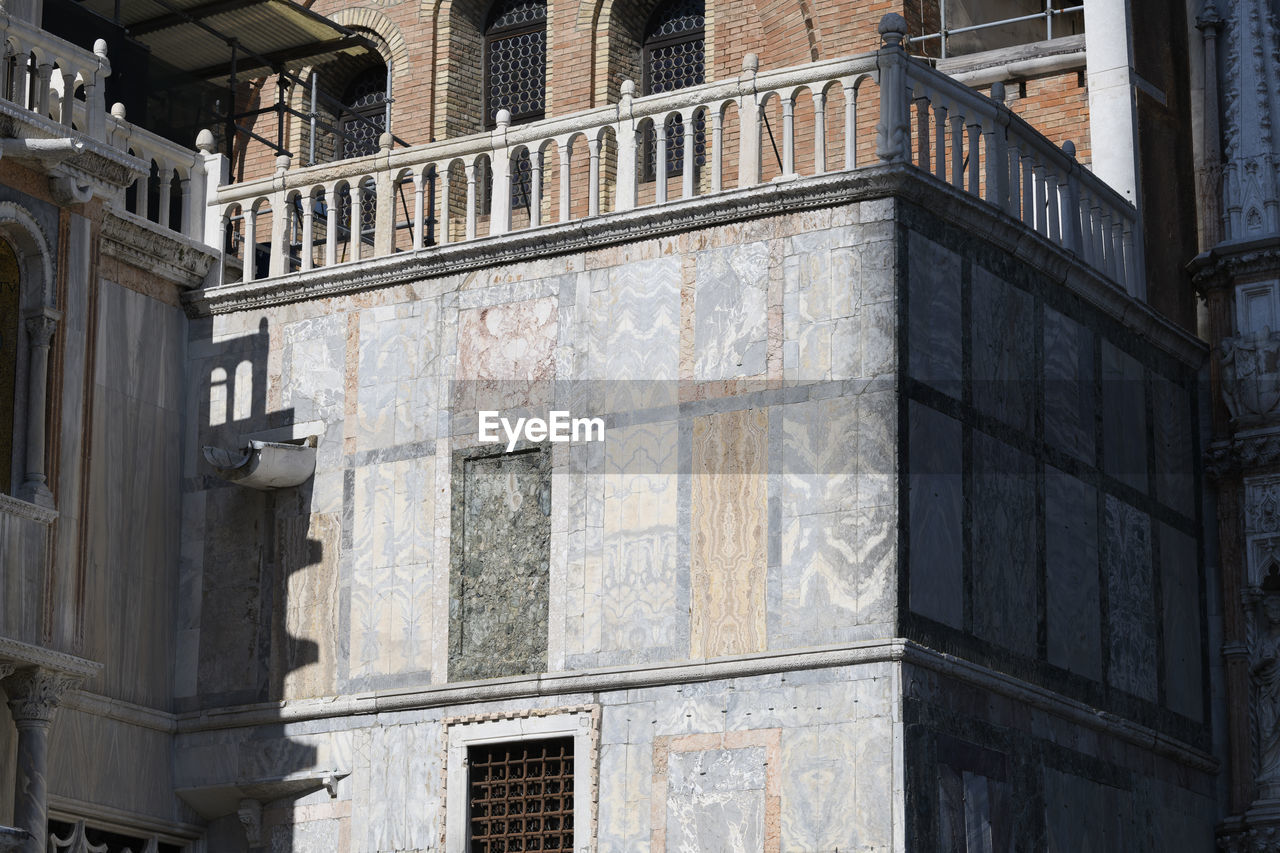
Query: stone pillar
x=40, y=329
x=33, y=697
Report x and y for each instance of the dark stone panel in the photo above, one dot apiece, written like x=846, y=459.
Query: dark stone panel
x=1175, y=459
x=933, y=288
x=1003, y=369
x=1124, y=417
x=1131, y=621
x=936, y=500
x=1180, y=591
x=1004, y=545
x=498, y=583
x=1074, y=627
x=1070, y=399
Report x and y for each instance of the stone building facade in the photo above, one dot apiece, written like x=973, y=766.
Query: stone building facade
x=900, y=535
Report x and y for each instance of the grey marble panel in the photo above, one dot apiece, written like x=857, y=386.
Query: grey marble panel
x=716, y=800
x=1004, y=545
x=936, y=496
x=1071, y=574
x=1175, y=460
x=1070, y=405
x=1130, y=607
x=1180, y=593
x=142, y=347
x=1003, y=341
x=933, y=289
x=1124, y=417
x=1081, y=814
x=731, y=325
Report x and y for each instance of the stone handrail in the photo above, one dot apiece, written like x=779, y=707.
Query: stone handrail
x=610, y=159
x=980, y=146
x=171, y=164
x=77, y=71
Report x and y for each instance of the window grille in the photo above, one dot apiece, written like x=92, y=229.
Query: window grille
x=521, y=796
x=674, y=59
x=362, y=124
x=515, y=64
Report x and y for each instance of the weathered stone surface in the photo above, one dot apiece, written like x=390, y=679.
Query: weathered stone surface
x=498, y=586
x=731, y=332
x=1071, y=574
x=1003, y=342
x=1124, y=417
x=936, y=495
x=933, y=292
x=1069, y=386
x=1130, y=607
x=716, y=800
x=1180, y=594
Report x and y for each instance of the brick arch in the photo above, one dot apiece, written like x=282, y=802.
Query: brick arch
x=390, y=41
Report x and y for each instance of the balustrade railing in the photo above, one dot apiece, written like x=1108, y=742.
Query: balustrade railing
x=53, y=77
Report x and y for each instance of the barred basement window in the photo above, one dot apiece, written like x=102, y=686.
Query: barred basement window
x=673, y=58
x=521, y=796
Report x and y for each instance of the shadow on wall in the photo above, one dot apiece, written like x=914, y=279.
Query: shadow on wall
x=252, y=607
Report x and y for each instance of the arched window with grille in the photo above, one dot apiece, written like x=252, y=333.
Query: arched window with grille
x=515, y=60
x=673, y=57
x=365, y=116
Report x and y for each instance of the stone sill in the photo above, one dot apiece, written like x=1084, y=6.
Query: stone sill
x=10, y=505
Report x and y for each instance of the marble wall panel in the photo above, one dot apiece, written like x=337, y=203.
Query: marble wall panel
x=131, y=766
x=396, y=376
x=634, y=322
x=731, y=317
x=1004, y=545
x=1003, y=336
x=1180, y=594
x=396, y=788
x=1175, y=455
x=392, y=547
x=1081, y=814
x=936, y=506
x=313, y=370
x=716, y=800
x=933, y=327
x=306, y=649
x=504, y=351
x=729, y=523
x=1070, y=391
x=1130, y=606
x=1124, y=417
x=1071, y=574
x=24, y=552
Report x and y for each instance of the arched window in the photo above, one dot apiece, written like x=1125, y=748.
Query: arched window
x=10, y=308
x=673, y=58
x=365, y=117
x=515, y=60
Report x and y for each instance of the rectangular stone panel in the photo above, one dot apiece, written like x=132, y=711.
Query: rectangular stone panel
x=716, y=800
x=1175, y=458
x=1124, y=417
x=936, y=501
x=1131, y=617
x=1070, y=394
x=1180, y=591
x=1003, y=368
x=498, y=585
x=933, y=291
x=728, y=526
x=1071, y=574
x=1004, y=545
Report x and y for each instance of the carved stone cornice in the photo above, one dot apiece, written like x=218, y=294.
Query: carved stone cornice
x=34, y=693
x=23, y=655
x=12, y=506
x=1243, y=453
x=1226, y=262
x=146, y=246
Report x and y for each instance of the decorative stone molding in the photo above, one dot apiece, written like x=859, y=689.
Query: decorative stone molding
x=143, y=244
x=40, y=328
x=35, y=693
x=94, y=168
x=32, y=512
x=1220, y=266
x=25, y=655
x=250, y=815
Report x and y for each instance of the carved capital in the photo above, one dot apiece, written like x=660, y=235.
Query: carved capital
x=34, y=693
x=40, y=328
x=250, y=814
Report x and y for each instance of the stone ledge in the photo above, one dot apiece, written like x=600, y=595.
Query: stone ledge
x=128, y=713
x=10, y=505
x=164, y=253
x=1020, y=62
x=25, y=654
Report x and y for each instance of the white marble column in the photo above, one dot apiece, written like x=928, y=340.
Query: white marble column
x=34, y=694
x=40, y=329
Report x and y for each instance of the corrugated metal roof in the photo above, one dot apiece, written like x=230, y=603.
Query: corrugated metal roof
x=196, y=36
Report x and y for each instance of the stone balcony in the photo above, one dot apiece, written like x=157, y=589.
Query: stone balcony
x=787, y=134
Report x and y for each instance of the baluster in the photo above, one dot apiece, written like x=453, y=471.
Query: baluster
x=184, y=208
x=997, y=171
x=625, y=131
x=1117, y=250
x=250, y=242
x=331, y=225
x=940, y=142
x=789, y=136
x=68, y=103
x=1039, y=202
x=957, y=151
x=45, y=75
x=1028, y=202
x=717, y=147
x=593, y=177
x=470, y=170
x=819, y=132
x=1133, y=283
x=281, y=216
x=660, y=162
x=305, y=251
x=922, y=132
x=442, y=229
x=419, y=206
x=355, y=219
x=535, y=187
x=565, y=198
x=975, y=186
x=1104, y=242
x=166, y=190
x=690, y=155
x=142, y=191
x=1052, y=205
x=850, y=125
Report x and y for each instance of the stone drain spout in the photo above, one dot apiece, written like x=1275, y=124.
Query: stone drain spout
x=266, y=465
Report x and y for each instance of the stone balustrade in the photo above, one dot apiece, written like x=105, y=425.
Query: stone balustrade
x=178, y=175
x=53, y=77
